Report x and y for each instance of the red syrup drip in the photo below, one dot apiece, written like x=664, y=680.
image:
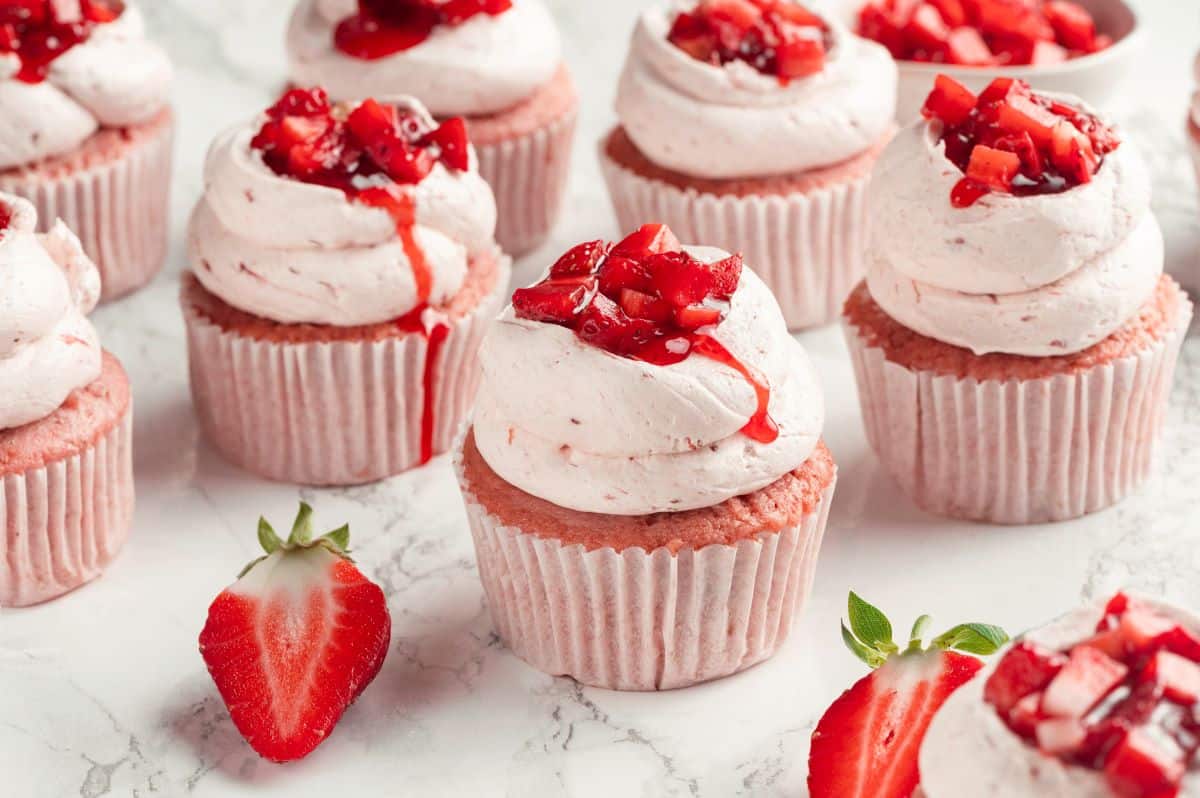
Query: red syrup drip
x=385, y=27
x=31, y=29
x=435, y=330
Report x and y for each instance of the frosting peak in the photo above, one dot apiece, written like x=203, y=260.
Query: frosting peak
x=732, y=121
x=48, y=348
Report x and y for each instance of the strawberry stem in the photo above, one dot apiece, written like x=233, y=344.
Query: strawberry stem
x=869, y=635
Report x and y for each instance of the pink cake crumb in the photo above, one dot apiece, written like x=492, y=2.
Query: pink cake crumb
x=621, y=149
x=106, y=146
x=783, y=503
x=1157, y=318
x=545, y=106
x=87, y=415
x=480, y=283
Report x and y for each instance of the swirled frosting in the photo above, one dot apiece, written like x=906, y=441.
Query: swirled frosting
x=48, y=348
x=1036, y=276
x=297, y=252
x=968, y=750
x=485, y=65
x=114, y=78
x=571, y=423
x=732, y=121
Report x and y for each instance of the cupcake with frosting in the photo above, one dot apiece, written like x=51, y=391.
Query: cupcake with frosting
x=1100, y=703
x=754, y=125
x=645, y=477
x=1015, y=338
x=496, y=63
x=88, y=129
x=66, y=470
x=343, y=271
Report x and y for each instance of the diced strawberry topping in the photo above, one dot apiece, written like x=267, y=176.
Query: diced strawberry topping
x=1125, y=703
x=1014, y=141
x=33, y=31
x=647, y=299
x=6, y=214
x=385, y=27
x=982, y=32
x=776, y=37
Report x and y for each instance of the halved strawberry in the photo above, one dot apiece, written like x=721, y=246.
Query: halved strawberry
x=295, y=640
x=866, y=744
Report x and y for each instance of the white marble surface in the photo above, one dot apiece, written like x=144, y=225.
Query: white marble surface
x=104, y=693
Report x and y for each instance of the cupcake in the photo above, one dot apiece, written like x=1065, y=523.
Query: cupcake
x=342, y=275
x=1015, y=338
x=88, y=130
x=496, y=63
x=754, y=126
x=1194, y=122
x=1101, y=703
x=66, y=498
x=645, y=478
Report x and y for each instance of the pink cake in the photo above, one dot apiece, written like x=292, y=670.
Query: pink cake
x=343, y=350
x=631, y=533
x=1015, y=340
x=99, y=160
x=763, y=150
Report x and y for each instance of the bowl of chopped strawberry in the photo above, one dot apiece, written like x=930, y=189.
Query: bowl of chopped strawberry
x=1079, y=47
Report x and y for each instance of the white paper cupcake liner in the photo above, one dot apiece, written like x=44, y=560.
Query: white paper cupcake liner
x=1017, y=451
x=808, y=248
x=528, y=175
x=638, y=620
x=118, y=209
x=65, y=522
x=337, y=412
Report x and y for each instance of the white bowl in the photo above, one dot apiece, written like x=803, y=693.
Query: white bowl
x=1097, y=78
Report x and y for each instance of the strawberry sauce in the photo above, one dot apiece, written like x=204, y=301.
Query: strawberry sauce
x=646, y=299
x=368, y=152
x=31, y=29
x=385, y=27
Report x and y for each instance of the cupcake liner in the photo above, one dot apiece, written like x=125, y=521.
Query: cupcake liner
x=65, y=522
x=335, y=412
x=118, y=209
x=1018, y=451
x=807, y=247
x=528, y=175
x=644, y=620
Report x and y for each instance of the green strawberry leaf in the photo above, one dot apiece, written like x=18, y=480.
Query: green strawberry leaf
x=267, y=538
x=870, y=625
x=870, y=656
x=917, y=635
x=972, y=638
x=302, y=530
x=340, y=538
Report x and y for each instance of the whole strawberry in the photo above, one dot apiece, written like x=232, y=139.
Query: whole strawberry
x=295, y=640
x=866, y=744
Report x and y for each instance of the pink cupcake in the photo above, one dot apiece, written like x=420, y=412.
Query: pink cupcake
x=645, y=478
x=496, y=63
x=343, y=273
x=764, y=147
x=1015, y=339
x=88, y=131
x=66, y=470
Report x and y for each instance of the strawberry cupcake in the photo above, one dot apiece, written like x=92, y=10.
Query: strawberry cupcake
x=88, y=130
x=343, y=273
x=1102, y=703
x=66, y=498
x=754, y=125
x=645, y=478
x=1015, y=339
x=496, y=63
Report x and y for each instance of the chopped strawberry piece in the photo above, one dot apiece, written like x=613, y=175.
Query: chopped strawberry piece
x=1060, y=735
x=878, y=25
x=450, y=140
x=1140, y=766
x=1023, y=146
x=952, y=11
x=726, y=274
x=775, y=37
x=967, y=47
x=1019, y=113
x=647, y=306
x=742, y=14
x=1178, y=676
x=102, y=10
x=550, y=302
x=950, y=101
x=295, y=640
x=799, y=54
x=1025, y=715
x=1072, y=23
x=1048, y=53
x=381, y=29
x=927, y=30
x=649, y=239
x=1000, y=90
x=681, y=279
x=1084, y=681
x=38, y=31
x=1026, y=669
x=693, y=317
x=1142, y=628
x=994, y=168
x=1072, y=153
x=619, y=272
x=580, y=259
x=1182, y=642
x=606, y=325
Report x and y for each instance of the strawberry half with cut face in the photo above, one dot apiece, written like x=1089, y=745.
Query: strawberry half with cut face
x=295, y=640
x=866, y=744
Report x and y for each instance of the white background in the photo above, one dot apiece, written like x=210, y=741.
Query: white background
x=104, y=693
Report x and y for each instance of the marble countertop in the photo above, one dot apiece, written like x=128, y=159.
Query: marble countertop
x=103, y=693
